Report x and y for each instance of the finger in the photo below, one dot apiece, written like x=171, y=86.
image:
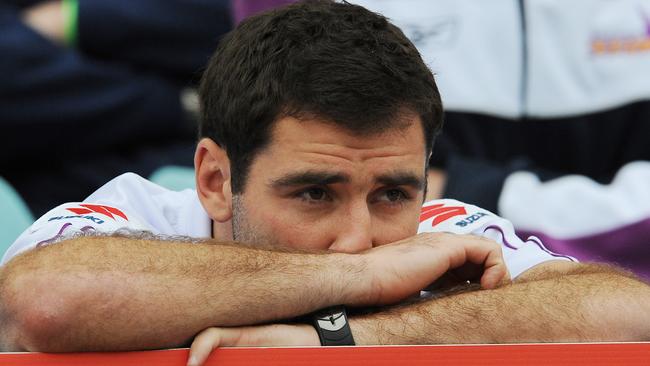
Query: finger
x=447, y=280
x=495, y=269
x=506, y=280
x=486, y=253
x=469, y=258
x=469, y=272
x=203, y=345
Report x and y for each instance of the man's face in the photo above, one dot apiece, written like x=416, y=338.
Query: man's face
x=317, y=186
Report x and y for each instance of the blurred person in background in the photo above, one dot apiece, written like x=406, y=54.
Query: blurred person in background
x=92, y=88
x=547, y=108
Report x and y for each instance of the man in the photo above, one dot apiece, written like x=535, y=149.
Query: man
x=318, y=122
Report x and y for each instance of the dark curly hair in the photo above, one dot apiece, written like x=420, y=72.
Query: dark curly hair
x=336, y=61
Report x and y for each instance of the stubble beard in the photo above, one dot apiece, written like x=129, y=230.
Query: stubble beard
x=242, y=230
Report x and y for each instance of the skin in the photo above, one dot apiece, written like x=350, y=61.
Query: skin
x=317, y=187
x=159, y=295
x=359, y=213
x=58, y=298
x=48, y=19
x=176, y=293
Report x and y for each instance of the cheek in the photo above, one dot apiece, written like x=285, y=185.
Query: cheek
x=275, y=222
x=395, y=229
x=296, y=232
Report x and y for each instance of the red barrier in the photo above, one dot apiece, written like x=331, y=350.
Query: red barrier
x=592, y=354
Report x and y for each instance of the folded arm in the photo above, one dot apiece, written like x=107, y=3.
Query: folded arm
x=552, y=302
x=115, y=293
x=563, y=302
x=110, y=293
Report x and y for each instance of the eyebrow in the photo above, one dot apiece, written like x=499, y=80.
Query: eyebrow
x=309, y=177
x=402, y=179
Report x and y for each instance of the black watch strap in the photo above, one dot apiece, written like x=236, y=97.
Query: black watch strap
x=332, y=327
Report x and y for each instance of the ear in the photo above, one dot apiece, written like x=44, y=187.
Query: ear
x=213, y=180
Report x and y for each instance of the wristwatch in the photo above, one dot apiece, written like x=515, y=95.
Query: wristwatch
x=332, y=327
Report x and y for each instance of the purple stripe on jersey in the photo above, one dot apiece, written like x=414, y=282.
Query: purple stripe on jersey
x=531, y=238
x=541, y=246
x=627, y=246
x=58, y=235
x=87, y=228
x=503, y=235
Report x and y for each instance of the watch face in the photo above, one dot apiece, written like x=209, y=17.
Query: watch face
x=332, y=322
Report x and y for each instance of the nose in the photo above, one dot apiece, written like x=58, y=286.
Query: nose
x=354, y=232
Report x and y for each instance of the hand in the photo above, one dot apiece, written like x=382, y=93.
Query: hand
x=398, y=270
x=256, y=336
x=48, y=19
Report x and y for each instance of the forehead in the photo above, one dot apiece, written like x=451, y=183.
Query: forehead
x=316, y=144
x=289, y=130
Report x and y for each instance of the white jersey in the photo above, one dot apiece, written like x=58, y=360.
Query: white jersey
x=130, y=202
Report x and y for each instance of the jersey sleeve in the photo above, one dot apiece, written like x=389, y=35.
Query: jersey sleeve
x=71, y=219
x=123, y=204
x=451, y=216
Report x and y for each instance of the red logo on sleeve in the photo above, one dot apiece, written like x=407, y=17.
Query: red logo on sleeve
x=87, y=208
x=441, y=213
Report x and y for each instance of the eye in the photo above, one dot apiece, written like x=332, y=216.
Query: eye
x=394, y=195
x=314, y=194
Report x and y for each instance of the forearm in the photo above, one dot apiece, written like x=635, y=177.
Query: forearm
x=590, y=304
x=101, y=293
x=111, y=293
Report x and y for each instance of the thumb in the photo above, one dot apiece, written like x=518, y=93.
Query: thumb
x=206, y=341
